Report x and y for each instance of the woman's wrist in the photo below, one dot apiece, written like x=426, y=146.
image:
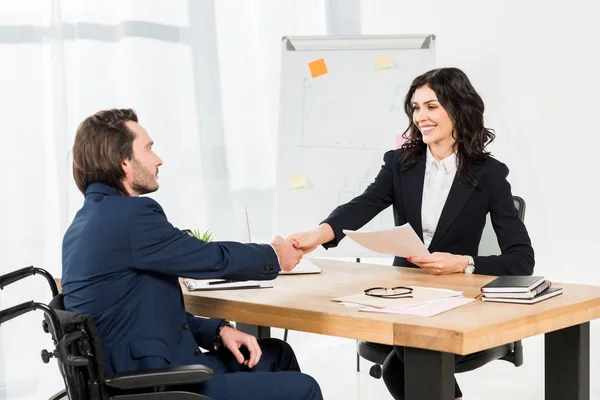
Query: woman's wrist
x=326, y=233
x=462, y=263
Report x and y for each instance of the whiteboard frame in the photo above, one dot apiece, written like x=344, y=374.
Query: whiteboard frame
x=332, y=43
x=367, y=42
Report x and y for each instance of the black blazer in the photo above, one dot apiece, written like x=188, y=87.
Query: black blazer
x=462, y=220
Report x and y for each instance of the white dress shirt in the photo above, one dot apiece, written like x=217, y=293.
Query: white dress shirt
x=438, y=181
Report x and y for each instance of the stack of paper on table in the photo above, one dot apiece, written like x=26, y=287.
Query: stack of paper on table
x=419, y=295
x=424, y=309
x=401, y=241
x=425, y=302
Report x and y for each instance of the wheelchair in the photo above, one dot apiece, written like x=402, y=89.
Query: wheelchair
x=80, y=357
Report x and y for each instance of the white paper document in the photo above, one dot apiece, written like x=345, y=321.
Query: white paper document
x=352, y=305
x=426, y=302
x=304, y=267
x=424, y=309
x=419, y=295
x=401, y=241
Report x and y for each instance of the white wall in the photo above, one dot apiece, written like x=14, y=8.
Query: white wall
x=536, y=65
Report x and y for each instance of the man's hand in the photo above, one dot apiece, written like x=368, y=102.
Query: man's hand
x=441, y=263
x=308, y=241
x=233, y=339
x=287, y=254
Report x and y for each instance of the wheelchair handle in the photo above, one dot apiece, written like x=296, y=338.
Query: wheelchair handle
x=20, y=309
x=19, y=274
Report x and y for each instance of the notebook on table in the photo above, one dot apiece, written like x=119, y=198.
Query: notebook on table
x=515, y=284
x=530, y=294
x=546, y=294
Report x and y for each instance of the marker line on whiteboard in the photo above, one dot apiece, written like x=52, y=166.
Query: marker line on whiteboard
x=302, y=127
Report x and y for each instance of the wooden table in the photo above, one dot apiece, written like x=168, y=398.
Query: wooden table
x=303, y=303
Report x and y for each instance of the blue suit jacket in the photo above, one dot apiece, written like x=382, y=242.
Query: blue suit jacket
x=121, y=263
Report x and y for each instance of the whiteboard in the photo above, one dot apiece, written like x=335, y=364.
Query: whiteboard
x=335, y=128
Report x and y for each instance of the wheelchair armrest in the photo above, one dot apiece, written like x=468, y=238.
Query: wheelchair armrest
x=159, y=377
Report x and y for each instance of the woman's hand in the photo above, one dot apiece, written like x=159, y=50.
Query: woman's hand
x=305, y=241
x=441, y=263
x=308, y=241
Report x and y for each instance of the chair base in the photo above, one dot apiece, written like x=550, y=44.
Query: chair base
x=479, y=359
x=375, y=371
x=374, y=352
x=377, y=353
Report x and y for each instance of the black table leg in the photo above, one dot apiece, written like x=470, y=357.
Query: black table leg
x=567, y=359
x=261, y=332
x=428, y=374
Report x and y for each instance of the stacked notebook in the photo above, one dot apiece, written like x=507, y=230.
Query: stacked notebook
x=519, y=289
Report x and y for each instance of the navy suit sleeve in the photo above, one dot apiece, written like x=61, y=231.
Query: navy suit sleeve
x=159, y=247
x=204, y=330
x=360, y=210
x=517, y=256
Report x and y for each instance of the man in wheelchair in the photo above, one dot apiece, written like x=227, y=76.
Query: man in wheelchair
x=122, y=260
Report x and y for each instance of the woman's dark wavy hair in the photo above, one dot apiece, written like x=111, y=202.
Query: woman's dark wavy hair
x=458, y=96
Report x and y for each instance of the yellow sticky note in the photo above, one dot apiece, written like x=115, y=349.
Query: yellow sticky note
x=298, y=181
x=384, y=62
x=317, y=67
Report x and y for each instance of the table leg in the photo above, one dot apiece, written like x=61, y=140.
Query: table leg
x=567, y=359
x=428, y=374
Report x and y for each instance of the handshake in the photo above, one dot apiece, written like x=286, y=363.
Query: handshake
x=290, y=250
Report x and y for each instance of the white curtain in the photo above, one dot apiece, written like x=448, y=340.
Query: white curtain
x=204, y=78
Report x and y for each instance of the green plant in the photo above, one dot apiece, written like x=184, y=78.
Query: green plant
x=207, y=236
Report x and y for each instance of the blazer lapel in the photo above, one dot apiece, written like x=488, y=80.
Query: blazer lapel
x=457, y=197
x=412, y=195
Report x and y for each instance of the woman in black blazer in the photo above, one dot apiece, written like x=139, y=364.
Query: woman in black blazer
x=443, y=182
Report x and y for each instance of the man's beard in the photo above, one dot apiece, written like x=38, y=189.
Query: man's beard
x=144, y=181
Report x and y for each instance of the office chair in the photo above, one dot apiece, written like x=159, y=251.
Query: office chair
x=511, y=352
x=81, y=360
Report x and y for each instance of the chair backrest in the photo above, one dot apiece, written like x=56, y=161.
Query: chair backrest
x=79, y=353
x=489, y=242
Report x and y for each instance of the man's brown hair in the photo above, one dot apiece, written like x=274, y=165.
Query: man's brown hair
x=102, y=142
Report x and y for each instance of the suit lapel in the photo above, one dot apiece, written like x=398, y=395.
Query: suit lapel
x=412, y=195
x=457, y=197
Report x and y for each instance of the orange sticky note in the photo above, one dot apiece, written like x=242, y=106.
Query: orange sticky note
x=317, y=67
